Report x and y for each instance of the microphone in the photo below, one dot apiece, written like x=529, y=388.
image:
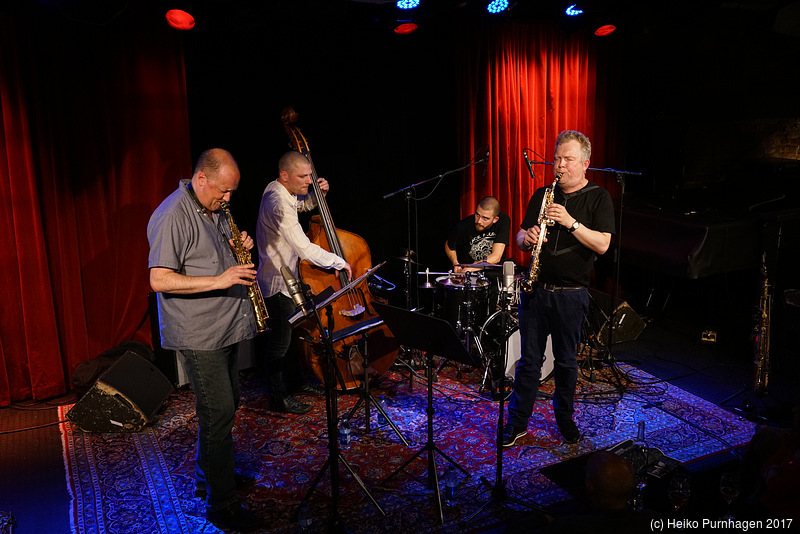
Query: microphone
x=508, y=276
x=486, y=161
x=294, y=287
x=528, y=163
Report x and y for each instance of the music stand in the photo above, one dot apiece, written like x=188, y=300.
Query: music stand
x=432, y=336
x=311, y=309
x=302, y=312
x=364, y=395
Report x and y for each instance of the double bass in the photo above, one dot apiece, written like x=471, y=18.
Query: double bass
x=352, y=308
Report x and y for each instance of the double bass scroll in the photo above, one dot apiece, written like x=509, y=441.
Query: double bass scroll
x=355, y=306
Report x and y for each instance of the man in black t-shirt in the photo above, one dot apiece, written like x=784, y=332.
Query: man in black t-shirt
x=482, y=237
x=584, y=223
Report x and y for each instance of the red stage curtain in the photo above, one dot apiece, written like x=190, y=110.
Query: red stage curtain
x=94, y=135
x=521, y=86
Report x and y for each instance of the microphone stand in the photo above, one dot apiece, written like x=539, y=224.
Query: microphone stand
x=332, y=414
x=409, y=196
x=411, y=199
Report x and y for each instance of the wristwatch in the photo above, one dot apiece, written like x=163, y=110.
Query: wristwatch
x=574, y=226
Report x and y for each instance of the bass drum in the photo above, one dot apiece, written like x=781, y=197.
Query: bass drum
x=491, y=339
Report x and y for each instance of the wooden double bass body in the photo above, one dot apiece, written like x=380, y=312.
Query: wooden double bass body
x=351, y=309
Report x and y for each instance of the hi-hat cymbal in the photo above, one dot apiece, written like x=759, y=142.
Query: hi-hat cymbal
x=480, y=264
x=426, y=285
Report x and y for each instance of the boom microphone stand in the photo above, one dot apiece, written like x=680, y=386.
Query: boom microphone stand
x=303, y=298
x=498, y=493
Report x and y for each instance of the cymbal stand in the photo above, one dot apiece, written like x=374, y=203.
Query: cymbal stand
x=498, y=493
x=469, y=339
x=430, y=447
x=332, y=414
x=366, y=398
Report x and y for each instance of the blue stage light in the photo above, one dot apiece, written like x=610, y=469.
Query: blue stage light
x=497, y=6
x=574, y=10
x=407, y=4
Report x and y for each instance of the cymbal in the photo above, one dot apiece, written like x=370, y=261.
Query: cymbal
x=484, y=264
x=406, y=259
x=426, y=285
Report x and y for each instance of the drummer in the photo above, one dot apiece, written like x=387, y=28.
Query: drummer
x=482, y=237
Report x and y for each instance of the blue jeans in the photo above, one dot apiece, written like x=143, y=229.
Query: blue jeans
x=559, y=314
x=214, y=377
x=282, y=369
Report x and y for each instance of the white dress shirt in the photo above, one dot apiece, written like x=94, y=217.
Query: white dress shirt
x=281, y=240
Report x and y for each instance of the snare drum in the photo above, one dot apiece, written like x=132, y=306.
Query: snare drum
x=491, y=338
x=462, y=299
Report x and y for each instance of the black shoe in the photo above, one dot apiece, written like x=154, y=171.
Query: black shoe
x=569, y=431
x=511, y=433
x=234, y=517
x=242, y=481
x=310, y=389
x=289, y=404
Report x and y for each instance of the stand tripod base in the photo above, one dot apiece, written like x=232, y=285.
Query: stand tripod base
x=499, y=495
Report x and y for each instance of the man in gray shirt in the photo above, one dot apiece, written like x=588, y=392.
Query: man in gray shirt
x=204, y=313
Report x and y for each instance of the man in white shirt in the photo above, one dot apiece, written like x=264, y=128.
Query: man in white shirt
x=281, y=241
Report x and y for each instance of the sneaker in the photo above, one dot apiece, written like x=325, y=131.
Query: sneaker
x=242, y=481
x=310, y=389
x=234, y=517
x=569, y=431
x=512, y=433
x=289, y=404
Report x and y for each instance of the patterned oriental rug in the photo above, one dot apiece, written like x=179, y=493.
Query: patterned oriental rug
x=143, y=482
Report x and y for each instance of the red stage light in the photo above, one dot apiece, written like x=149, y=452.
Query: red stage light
x=405, y=28
x=602, y=31
x=180, y=19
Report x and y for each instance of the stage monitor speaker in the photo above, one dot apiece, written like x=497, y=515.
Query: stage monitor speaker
x=627, y=323
x=124, y=399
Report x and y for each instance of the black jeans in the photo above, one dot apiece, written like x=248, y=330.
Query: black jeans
x=282, y=366
x=560, y=315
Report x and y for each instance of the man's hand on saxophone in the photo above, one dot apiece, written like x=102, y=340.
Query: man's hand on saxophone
x=526, y=240
x=247, y=242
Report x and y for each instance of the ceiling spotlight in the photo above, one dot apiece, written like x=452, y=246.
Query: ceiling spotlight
x=497, y=6
x=404, y=27
x=407, y=4
x=574, y=10
x=180, y=19
x=607, y=29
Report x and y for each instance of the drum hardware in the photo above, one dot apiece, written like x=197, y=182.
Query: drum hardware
x=427, y=284
x=480, y=265
x=473, y=284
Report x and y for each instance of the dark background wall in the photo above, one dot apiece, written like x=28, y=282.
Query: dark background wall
x=702, y=96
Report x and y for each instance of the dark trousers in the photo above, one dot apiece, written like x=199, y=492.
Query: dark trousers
x=214, y=377
x=283, y=369
x=559, y=314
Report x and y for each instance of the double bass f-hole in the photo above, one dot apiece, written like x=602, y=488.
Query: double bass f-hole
x=298, y=142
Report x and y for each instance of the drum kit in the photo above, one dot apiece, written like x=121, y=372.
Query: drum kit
x=474, y=302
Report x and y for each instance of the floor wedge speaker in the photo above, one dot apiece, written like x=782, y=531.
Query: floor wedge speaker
x=124, y=399
x=603, y=309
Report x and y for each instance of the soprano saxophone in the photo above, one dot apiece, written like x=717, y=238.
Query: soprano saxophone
x=528, y=281
x=243, y=257
x=761, y=359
